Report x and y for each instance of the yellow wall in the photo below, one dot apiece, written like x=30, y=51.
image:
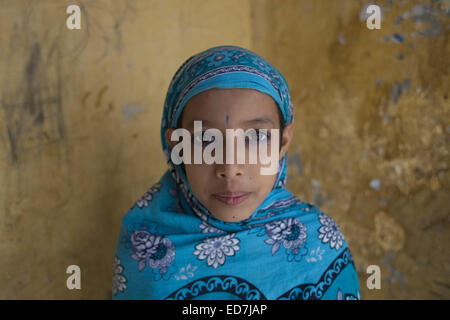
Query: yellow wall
x=80, y=118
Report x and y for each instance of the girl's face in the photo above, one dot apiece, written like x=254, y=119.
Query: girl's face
x=232, y=192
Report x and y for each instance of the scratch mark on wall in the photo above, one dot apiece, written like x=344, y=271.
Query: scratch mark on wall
x=100, y=95
x=84, y=98
x=111, y=41
x=33, y=112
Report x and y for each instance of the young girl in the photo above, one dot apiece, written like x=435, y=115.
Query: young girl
x=224, y=230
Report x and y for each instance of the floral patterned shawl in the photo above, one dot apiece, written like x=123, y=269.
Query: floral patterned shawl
x=171, y=247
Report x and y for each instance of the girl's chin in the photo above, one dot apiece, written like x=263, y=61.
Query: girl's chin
x=232, y=215
x=232, y=218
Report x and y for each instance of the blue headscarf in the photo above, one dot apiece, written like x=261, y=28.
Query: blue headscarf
x=171, y=247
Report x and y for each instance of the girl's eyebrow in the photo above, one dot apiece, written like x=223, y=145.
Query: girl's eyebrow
x=259, y=120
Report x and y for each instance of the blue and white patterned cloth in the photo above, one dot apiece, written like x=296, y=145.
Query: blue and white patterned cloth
x=171, y=247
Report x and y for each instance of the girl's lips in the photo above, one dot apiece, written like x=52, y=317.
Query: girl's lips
x=231, y=198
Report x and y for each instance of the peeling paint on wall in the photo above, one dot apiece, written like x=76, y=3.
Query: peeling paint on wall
x=130, y=110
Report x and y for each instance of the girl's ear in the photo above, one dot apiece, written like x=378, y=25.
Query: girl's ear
x=286, y=138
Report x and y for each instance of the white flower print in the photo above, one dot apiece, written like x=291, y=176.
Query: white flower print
x=207, y=228
x=118, y=283
x=289, y=232
x=186, y=272
x=330, y=232
x=157, y=251
x=148, y=196
x=315, y=255
x=215, y=249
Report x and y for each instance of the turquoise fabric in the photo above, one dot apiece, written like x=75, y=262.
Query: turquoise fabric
x=171, y=247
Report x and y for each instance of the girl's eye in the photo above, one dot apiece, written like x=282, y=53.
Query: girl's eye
x=258, y=135
x=200, y=138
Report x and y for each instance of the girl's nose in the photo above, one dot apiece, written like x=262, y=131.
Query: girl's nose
x=227, y=171
x=233, y=169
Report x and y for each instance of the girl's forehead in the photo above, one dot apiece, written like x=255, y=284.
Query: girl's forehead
x=231, y=106
x=233, y=117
